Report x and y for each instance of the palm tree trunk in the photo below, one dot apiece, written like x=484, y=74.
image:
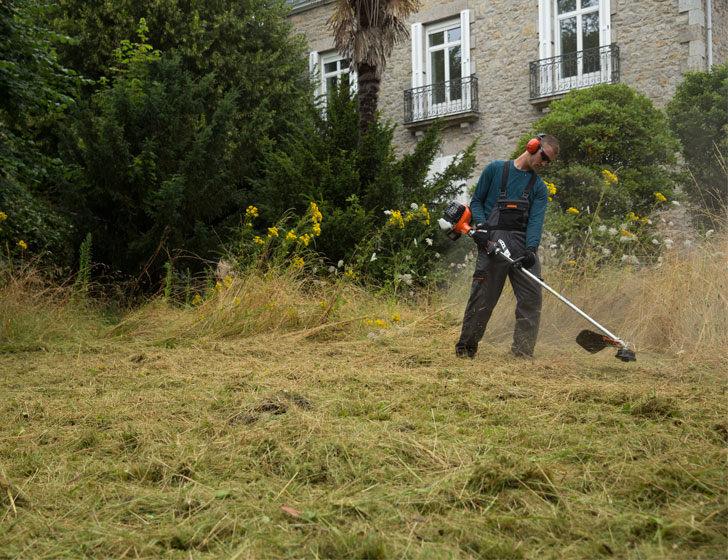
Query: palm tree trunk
x=368, y=83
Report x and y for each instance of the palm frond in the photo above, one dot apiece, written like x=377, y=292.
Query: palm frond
x=366, y=31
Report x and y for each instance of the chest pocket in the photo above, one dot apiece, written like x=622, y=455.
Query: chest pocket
x=511, y=214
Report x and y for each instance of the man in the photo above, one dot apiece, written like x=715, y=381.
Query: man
x=508, y=206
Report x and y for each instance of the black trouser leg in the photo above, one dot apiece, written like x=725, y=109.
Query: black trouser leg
x=528, y=310
x=488, y=279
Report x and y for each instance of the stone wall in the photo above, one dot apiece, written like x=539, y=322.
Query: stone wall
x=659, y=40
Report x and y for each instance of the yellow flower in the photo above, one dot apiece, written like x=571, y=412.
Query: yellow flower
x=290, y=236
x=660, y=197
x=396, y=219
x=273, y=231
x=197, y=299
x=305, y=239
x=316, y=228
x=632, y=216
x=572, y=210
x=609, y=177
x=572, y=263
x=627, y=233
x=396, y=318
x=258, y=240
x=426, y=212
x=316, y=216
x=3, y=216
x=551, y=188
x=237, y=301
x=23, y=245
x=298, y=262
x=228, y=281
x=251, y=212
x=380, y=323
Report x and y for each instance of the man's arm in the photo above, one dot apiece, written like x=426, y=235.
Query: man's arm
x=480, y=194
x=537, y=214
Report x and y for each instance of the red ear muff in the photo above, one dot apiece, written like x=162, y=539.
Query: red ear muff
x=534, y=144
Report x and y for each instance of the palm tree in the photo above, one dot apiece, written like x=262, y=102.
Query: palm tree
x=366, y=31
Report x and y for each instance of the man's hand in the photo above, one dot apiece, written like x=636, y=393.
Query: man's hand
x=480, y=235
x=529, y=258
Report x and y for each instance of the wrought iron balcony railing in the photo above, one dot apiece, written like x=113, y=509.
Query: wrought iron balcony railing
x=552, y=76
x=441, y=100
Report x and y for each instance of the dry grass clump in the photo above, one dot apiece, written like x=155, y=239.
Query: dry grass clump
x=36, y=314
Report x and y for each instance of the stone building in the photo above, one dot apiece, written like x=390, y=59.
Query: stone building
x=491, y=68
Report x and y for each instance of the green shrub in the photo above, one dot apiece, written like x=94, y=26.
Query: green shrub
x=698, y=115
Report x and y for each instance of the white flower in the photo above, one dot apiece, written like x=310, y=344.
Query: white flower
x=452, y=265
x=387, y=212
x=625, y=239
x=374, y=257
x=437, y=255
x=709, y=232
x=606, y=251
x=655, y=241
x=414, y=206
x=669, y=243
x=340, y=264
x=332, y=269
x=630, y=259
x=602, y=228
x=415, y=242
x=676, y=203
x=612, y=231
x=429, y=241
x=406, y=278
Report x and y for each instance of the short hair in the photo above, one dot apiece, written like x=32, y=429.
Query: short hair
x=553, y=142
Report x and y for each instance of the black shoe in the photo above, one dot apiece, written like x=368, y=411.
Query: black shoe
x=464, y=353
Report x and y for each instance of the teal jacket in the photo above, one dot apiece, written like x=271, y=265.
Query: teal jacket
x=488, y=188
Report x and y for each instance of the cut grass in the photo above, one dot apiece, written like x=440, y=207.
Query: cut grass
x=329, y=437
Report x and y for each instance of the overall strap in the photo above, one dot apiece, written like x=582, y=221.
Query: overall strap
x=504, y=182
x=529, y=187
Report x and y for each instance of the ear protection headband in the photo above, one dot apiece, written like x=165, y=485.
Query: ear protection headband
x=534, y=144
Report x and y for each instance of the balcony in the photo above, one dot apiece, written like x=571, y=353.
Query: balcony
x=456, y=100
x=560, y=74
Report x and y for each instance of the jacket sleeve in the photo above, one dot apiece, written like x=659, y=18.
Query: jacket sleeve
x=538, y=212
x=480, y=194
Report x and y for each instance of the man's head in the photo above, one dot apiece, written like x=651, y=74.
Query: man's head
x=540, y=151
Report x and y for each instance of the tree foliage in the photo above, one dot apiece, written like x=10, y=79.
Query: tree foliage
x=35, y=89
x=698, y=115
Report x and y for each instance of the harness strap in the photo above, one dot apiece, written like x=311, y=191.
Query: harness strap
x=504, y=182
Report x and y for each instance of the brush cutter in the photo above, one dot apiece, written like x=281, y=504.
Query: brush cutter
x=456, y=221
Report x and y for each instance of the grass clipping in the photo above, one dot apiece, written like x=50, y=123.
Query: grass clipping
x=346, y=429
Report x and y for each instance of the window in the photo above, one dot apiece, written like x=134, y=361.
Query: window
x=442, y=81
x=328, y=69
x=577, y=25
x=575, y=47
x=444, y=61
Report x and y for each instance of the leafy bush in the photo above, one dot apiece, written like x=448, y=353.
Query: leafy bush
x=151, y=161
x=698, y=115
x=613, y=169
x=363, y=192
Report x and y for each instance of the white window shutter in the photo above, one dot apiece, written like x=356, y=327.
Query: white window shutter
x=465, y=42
x=605, y=28
x=418, y=52
x=545, y=25
x=314, y=69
